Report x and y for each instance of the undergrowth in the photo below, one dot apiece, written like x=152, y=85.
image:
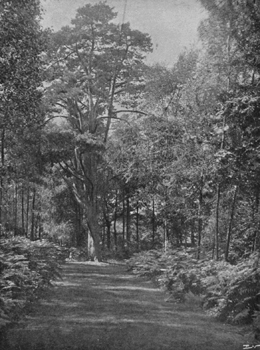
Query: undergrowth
x=26, y=268
x=229, y=292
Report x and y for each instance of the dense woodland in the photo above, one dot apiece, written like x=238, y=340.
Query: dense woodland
x=112, y=158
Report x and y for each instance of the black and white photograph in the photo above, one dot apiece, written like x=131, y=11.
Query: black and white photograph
x=129, y=174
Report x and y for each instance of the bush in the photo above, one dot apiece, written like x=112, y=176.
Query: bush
x=149, y=263
x=229, y=292
x=234, y=294
x=175, y=270
x=25, y=269
x=182, y=274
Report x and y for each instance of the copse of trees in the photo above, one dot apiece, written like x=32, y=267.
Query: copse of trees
x=205, y=160
x=22, y=42
x=216, y=176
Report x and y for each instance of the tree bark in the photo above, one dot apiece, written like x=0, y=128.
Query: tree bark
x=79, y=236
x=32, y=235
x=128, y=233
x=231, y=222
x=40, y=228
x=137, y=227
x=115, y=217
x=108, y=225
x=216, y=237
x=165, y=235
x=153, y=224
x=95, y=233
x=22, y=209
x=15, y=209
x=200, y=219
x=2, y=180
x=123, y=217
x=27, y=210
x=256, y=229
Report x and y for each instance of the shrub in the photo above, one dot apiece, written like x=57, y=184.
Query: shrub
x=229, y=292
x=234, y=294
x=182, y=274
x=25, y=268
x=150, y=263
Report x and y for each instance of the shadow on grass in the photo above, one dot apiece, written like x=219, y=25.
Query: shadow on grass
x=103, y=307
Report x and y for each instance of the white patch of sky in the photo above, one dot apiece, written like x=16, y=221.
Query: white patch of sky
x=172, y=24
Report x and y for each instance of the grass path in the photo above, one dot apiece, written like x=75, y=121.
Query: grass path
x=103, y=307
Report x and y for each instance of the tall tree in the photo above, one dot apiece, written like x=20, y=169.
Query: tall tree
x=94, y=62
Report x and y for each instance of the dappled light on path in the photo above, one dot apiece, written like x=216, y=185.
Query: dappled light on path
x=102, y=307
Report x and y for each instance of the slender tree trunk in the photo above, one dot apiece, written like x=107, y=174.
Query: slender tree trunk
x=36, y=226
x=222, y=146
x=108, y=225
x=180, y=230
x=103, y=239
x=39, y=220
x=27, y=210
x=256, y=229
x=231, y=221
x=128, y=233
x=192, y=236
x=40, y=226
x=153, y=224
x=32, y=235
x=137, y=227
x=78, y=236
x=165, y=235
x=2, y=180
x=216, y=237
x=200, y=220
x=124, y=240
x=15, y=209
x=22, y=209
x=114, y=228
x=77, y=225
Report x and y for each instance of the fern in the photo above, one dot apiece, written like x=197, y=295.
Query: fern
x=25, y=268
x=229, y=292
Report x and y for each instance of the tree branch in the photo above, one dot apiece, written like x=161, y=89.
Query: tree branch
x=68, y=168
x=130, y=111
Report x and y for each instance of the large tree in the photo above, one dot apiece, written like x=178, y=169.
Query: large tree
x=93, y=64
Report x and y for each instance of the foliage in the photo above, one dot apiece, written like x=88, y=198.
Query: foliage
x=184, y=173
x=234, y=294
x=26, y=268
x=229, y=292
x=149, y=263
x=93, y=65
x=22, y=43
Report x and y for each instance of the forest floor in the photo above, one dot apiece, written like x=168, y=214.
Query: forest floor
x=104, y=307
